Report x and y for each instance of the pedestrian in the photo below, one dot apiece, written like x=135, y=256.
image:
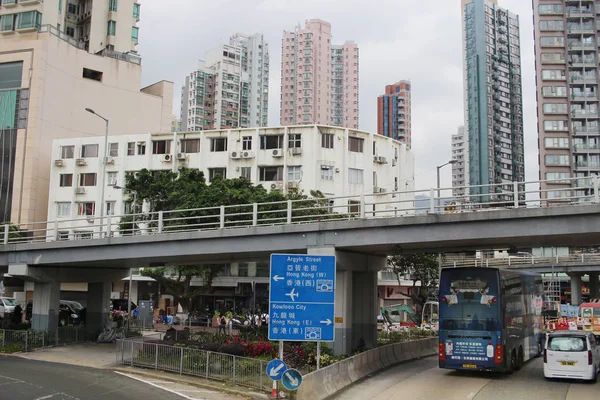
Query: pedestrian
x=222, y=324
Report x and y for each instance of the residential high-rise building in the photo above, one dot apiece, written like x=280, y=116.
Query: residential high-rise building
x=566, y=51
x=230, y=87
x=459, y=168
x=59, y=58
x=494, y=105
x=175, y=124
x=393, y=112
x=319, y=82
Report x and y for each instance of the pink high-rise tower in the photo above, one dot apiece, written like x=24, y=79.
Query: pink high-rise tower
x=319, y=82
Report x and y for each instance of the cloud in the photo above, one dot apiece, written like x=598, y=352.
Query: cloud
x=397, y=40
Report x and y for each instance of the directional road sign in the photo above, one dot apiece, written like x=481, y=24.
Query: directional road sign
x=292, y=379
x=302, y=297
x=275, y=369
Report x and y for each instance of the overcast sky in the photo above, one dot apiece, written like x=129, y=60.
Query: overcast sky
x=398, y=39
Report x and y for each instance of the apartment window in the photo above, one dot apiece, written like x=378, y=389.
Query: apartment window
x=30, y=19
x=63, y=210
x=112, y=178
x=557, y=159
x=556, y=125
x=553, y=58
x=553, y=74
x=294, y=140
x=246, y=173
x=214, y=172
x=7, y=22
x=71, y=8
x=110, y=208
x=92, y=74
x=550, y=9
x=136, y=10
x=270, y=174
x=131, y=148
x=327, y=140
x=555, y=108
x=112, y=5
x=327, y=172
x=60, y=3
x=87, y=179
x=294, y=173
x=218, y=144
x=558, y=177
x=67, y=152
x=552, y=25
x=556, y=143
x=554, y=91
x=141, y=148
x=113, y=149
x=87, y=208
x=355, y=176
x=356, y=144
x=89, y=151
x=66, y=180
x=552, y=41
x=557, y=194
x=134, y=34
x=70, y=31
x=112, y=28
x=190, y=146
x=127, y=207
x=268, y=142
x=161, y=147
x=247, y=143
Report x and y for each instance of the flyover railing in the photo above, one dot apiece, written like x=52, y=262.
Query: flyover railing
x=381, y=202
x=525, y=261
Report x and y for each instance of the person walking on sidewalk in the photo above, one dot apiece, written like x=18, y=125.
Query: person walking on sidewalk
x=222, y=323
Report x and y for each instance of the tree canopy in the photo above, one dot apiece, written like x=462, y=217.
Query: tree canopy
x=423, y=269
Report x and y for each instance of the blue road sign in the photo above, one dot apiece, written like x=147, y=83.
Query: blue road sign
x=292, y=379
x=275, y=369
x=302, y=297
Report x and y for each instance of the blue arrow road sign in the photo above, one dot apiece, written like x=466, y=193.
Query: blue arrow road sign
x=292, y=379
x=302, y=297
x=275, y=369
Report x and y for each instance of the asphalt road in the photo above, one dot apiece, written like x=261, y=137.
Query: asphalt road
x=423, y=380
x=37, y=380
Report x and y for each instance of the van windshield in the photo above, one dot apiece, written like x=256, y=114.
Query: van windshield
x=567, y=343
x=10, y=302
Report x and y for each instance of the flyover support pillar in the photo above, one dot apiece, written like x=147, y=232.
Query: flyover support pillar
x=575, y=288
x=98, y=307
x=46, y=305
x=594, y=285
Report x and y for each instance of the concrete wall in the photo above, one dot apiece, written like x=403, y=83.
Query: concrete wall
x=327, y=381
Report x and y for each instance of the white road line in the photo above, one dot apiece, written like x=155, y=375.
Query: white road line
x=471, y=395
x=156, y=386
x=196, y=391
x=47, y=397
x=12, y=379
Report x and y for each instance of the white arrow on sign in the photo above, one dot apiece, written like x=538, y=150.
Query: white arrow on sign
x=275, y=370
x=293, y=380
x=326, y=322
x=278, y=278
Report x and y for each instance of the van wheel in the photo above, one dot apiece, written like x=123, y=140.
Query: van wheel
x=595, y=377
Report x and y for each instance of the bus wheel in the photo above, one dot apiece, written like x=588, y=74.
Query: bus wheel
x=520, y=359
x=513, y=361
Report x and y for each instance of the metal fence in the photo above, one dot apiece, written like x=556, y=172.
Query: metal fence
x=571, y=260
x=241, y=371
x=28, y=340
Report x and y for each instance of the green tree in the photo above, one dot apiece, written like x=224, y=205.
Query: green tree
x=423, y=269
x=14, y=233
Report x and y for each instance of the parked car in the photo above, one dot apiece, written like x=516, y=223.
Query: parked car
x=7, y=306
x=572, y=355
x=70, y=313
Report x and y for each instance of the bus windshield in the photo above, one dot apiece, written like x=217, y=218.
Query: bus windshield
x=469, y=299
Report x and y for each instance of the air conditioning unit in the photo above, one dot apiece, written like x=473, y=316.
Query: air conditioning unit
x=112, y=182
x=110, y=160
x=277, y=186
x=236, y=154
x=80, y=190
x=90, y=220
x=59, y=163
x=380, y=159
x=81, y=162
x=296, y=151
x=277, y=153
x=293, y=184
x=382, y=190
x=181, y=156
x=167, y=158
x=326, y=167
x=247, y=154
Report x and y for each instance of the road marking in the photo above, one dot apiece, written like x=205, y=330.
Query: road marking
x=12, y=379
x=156, y=386
x=47, y=397
x=471, y=395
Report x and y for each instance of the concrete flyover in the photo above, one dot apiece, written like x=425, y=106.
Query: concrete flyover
x=523, y=227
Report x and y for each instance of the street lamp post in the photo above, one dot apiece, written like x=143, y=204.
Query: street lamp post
x=438, y=178
x=103, y=167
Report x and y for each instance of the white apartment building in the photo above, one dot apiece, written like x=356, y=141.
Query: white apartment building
x=50, y=74
x=230, y=87
x=336, y=161
x=459, y=168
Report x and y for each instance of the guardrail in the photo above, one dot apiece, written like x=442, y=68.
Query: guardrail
x=383, y=204
x=243, y=371
x=573, y=259
x=12, y=341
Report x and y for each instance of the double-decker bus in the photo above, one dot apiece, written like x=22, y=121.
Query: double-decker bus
x=490, y=318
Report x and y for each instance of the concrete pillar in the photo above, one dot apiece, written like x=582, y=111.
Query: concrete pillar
x=594, y=286
x=575, y=288
x=98, y=306
x=343, y=310
x=364, y=313
x=46, y=305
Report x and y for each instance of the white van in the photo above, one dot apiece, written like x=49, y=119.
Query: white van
x=571, y=355
x=7, y=306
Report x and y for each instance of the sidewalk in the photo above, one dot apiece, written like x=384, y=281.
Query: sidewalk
x=95, y=355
